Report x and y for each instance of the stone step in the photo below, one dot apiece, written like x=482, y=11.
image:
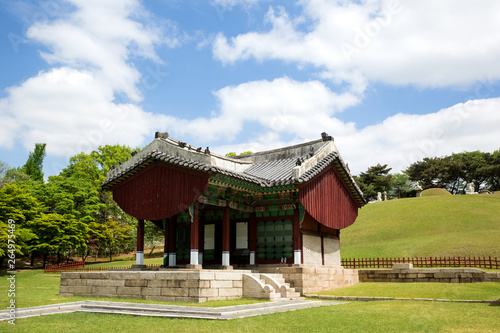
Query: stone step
x=171, y=311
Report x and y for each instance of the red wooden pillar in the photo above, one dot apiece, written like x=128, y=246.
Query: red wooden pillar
x=225, y=237
x=172, y=257
x=201, y=240
x=194, y=236
x=165, y=243
x=252, y=238
x=297, y=238
x=139, y=255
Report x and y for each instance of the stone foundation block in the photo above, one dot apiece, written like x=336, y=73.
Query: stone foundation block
x=176, y=292
x=225, y=292
x=77, y=291
x=94, y=275
x=129, y=291
x=222, y=284
x=136, y=283
x=97, y=290
x=105, y=283
x=227, y=276
x=189, y=284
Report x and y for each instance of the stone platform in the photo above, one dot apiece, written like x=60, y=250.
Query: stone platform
x=167, y=286
x=201, y=285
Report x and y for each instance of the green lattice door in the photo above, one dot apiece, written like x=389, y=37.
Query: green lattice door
x=274, y=239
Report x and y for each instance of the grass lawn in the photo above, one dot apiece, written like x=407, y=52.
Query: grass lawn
x=383, y=316
x=472, y=291
x=453, y=225
x=33, y=287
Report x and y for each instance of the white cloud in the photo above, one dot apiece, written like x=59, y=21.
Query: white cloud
x=71, y=111
x=399, y=140
x=229, y=4
x=102, y=37
x=72, y=106
x=425, y=43
x=282, y=105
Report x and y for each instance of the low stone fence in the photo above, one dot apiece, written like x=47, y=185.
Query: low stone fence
x=405, y=273
x=168, y=286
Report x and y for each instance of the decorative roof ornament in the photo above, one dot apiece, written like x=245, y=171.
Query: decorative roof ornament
x=207, y=151
x=326, y=137
x=299, y=162
x=161, y=135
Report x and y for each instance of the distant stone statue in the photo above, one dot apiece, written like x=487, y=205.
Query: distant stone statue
x=385, y=195
x=418, y=190
x=471, y=188
x=379, y=196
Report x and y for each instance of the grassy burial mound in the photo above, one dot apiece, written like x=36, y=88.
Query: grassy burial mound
x=434, y=191
x=443, y=225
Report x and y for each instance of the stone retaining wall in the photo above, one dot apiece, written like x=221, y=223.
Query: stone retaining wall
x=307, y=279
x=447, y=275
x=168, y=286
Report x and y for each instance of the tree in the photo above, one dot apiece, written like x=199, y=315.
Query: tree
x=78, y=189
x=455, y=171
x=375, y=179
x=110, y=235
x=34, y=164
x=12, y=175
x=492, y=170
x=57, y=234
x=152, y=234
x=401, y=185
x=18, y=205
x=4, y=167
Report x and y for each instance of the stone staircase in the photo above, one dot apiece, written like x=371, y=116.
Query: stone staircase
x=167, y=311
x=267, y=286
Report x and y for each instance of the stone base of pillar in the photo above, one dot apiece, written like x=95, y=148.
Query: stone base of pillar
x=172, y=259
x=139, y=258
x=225, y=258
x=297, y=257
x=252, y=257
x=196, y=267
x=193, y=259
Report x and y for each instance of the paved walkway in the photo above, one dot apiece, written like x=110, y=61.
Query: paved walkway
x=168, y=311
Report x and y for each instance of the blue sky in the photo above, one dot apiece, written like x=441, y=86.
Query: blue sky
x=392, y=81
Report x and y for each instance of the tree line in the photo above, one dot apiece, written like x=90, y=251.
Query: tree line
x=68, y=214
x=452, y=173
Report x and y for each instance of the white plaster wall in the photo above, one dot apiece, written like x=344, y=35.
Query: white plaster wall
x=331, y=247
x=312, y=250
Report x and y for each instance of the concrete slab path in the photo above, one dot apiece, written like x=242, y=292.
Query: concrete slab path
x=168, y=311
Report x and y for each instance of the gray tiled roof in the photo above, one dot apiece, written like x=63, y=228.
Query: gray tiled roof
x=273, y=168
x=179, y=161
x=274, y=171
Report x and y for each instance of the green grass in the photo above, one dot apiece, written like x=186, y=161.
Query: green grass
x=380, y=316
x=33, y=287
x=458, y=225
x=456, y=291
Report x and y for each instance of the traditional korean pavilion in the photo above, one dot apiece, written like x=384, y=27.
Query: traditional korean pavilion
x=280, y=206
